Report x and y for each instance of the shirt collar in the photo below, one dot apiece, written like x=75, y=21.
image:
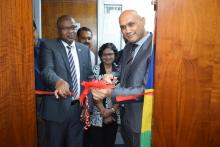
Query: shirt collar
x=65, y=44
x=142, y=40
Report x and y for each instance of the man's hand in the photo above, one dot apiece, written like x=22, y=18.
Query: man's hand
x=109, y=78
x=62, y=89
x=100, y=94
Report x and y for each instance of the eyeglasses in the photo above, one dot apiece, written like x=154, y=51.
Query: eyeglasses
x=68, y=28
x=108, y=54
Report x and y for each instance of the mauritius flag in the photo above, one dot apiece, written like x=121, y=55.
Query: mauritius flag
x=148, y=105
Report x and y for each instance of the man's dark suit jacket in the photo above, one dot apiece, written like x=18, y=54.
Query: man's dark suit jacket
x=38, y=82
x=55, y=66
x=132, y=82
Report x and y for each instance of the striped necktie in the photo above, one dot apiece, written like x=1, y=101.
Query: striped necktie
x=73, y=73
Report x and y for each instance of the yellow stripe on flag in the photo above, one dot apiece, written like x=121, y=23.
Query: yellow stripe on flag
x=147, y=111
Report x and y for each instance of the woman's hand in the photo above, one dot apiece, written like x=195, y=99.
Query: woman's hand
x=108, y=120
x=106, y=113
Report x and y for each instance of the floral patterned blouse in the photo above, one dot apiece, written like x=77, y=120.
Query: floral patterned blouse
x=96, y=118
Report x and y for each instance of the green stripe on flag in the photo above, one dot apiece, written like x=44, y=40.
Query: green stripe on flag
x=146, y=139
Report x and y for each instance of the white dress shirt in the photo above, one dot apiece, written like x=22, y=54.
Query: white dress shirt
x=76, y=62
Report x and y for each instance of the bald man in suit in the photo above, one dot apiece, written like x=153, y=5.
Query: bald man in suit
x=62, y=110
x=134, y=67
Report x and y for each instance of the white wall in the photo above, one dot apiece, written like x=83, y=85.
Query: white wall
x=143, y=7
x=37, y=15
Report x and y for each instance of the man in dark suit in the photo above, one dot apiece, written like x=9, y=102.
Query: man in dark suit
x=41, y=129
x=134, y=66
x=65, y=63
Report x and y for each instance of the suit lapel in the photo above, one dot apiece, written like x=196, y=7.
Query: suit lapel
x=80, y=57
x=62, y=50
x=144, y=50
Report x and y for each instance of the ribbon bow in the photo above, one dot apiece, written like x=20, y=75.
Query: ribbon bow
x=100, y=84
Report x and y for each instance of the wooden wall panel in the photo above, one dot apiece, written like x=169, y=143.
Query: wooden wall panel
x=187, y=78
x=83, y=11
x=17, y=101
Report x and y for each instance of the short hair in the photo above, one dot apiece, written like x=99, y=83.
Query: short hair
x=62, y=18
x=108, y=45
x=83, y=29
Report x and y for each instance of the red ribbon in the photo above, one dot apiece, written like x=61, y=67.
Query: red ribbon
x=84, y=96
x=132, y=97
x=47, y=92
x=100, y=84
x=43, y=92
x=86, y=117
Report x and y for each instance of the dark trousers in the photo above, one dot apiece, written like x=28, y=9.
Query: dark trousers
x=86, y=138
x=41, y=125
x=68, y=133
x=103, y=136
x=131, y=139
